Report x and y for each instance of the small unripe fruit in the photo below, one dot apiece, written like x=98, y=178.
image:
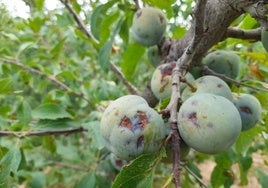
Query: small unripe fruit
x=149, y=25
x=209, y=123
x=161, y=81
x=208, y=84
x=249, y=108
x=223, y=62
x=264, y=38
x=131, y=128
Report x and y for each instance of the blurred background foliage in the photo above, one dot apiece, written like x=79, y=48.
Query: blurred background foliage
x=53, y=77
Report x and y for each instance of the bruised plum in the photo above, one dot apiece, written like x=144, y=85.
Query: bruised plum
x=249, y=108
x=131, y=128
x=208, y=84
x=223, y=62
x=209, y=123
x=149, y=25
x=161, y=80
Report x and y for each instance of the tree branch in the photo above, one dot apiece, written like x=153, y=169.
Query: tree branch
x=52, y=78
x=133, y=90
x=42, y=133
x=207, y=70
x=181, y=63
x=253, y=34
x=74, y=167
x=78, y=21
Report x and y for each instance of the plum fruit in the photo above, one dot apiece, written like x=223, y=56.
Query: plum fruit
x=149, y=25
x=223, y=62
x=131, y=128
x=161, y=81
x=209, y=123
x=249, y=108
x=208, y=84
x=153, y=55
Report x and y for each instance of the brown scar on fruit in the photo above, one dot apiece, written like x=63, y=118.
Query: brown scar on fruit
x=162, y=89
x=125, y=122
x=193, y=118
x=167, y=70
x=161, y=18
x=246, y=110
x=140, y=141
x=219, y=85
x=139, y=13
x=119, y=162
x=143, y=118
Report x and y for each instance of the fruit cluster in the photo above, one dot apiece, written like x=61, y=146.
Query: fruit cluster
x=210, y=118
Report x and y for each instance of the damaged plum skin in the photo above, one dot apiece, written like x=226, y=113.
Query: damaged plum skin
x=209, y=123
x=249, y=108
x=161, y=81
x=131, y=128
x=208, y=84
x=149, y=25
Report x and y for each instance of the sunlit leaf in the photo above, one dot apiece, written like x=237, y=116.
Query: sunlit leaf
x=5, y=86
x=50, y=111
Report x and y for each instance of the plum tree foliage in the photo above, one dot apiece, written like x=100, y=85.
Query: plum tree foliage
x=134, y=94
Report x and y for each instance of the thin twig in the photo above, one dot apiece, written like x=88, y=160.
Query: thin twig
x=74, y=167
x=78, y=21
x=183, y=61
x=207, y=70
x=42, y=133
x=120, y=75
x=52, y=78
x=201, y=183
x=252, y=34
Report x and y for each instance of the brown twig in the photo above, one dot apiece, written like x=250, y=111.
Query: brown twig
x=78, y=21
x=133, y=90
x=207, y=70
x=52, y=78
x=183, y=61
x=74, y=167
x=42, y=133
x=199, y=180
x=252, y=34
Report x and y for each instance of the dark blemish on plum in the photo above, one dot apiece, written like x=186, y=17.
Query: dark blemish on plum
x=139, y=121
x=119, y=162
x=210, y=125
x=194, y=102
x=246, y=109
x=193, y=118
x=139, y=13
x=125, y=122
x=219, y=85
x=128, y=142
x=161, y=18
x=140, y=141
x=167, y=70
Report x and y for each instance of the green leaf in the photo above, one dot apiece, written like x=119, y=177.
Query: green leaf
x=95, y=135
x=24, y=113
x=88, y=180
x=248, y=22
x=49, y=143
x=97, y=17
x=62, y=123
x=5, y=86
x=39, y=4
x=244, y=165
x=130, y=59
x=104, y=54
x=246, y=138
x=139, y=172
x=9, y=163
x=50, y=111
x=262, y=177
x=55, y=51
